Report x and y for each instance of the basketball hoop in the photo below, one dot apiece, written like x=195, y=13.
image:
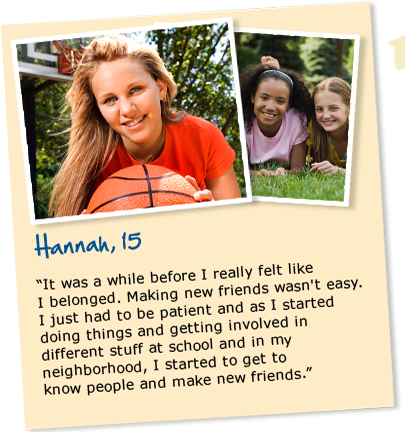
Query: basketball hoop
x=68, y=58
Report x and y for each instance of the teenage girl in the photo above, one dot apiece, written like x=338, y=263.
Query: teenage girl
x=327, y=144
x=122, y=116
x=276, y=106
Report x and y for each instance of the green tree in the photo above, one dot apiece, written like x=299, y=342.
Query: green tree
x=199, y=58
x=50, y=129
x=325, y=58
x=51, y=139
x=246, y=56
x=286, y=49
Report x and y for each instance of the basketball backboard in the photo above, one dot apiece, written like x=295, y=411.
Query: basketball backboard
x=42, y=60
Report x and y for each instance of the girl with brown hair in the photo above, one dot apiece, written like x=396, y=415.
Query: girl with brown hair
x=122, y=116
x=328, y=140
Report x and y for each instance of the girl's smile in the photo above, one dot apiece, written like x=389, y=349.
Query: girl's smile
x=128, y=98
x=271, y=102
x=331, y=112
x=134, y=122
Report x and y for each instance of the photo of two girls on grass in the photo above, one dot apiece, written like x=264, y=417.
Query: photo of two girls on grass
x=296, y=123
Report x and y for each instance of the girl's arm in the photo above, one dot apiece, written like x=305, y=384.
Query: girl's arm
x=261, y=173
x=220, y=188
x=297, y=159
x=224, y=186
x=327, y=168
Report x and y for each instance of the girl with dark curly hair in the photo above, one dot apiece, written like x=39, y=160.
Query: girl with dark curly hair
x=276, y=107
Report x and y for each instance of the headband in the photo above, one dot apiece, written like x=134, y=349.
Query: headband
x=276, y=71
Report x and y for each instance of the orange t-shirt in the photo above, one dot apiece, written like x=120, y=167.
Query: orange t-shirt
x=193, y=147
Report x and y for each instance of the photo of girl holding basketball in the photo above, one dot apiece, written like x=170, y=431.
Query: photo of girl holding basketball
x=122, y=115
x=276, y=107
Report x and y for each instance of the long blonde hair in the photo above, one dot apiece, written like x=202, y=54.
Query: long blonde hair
x=92, y=141
x=320, y=137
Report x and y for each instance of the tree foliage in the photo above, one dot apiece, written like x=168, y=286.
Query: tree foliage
x=200, y=60
x=315, y=58
x=286, y=49
x=327, y=57
x=51, y=139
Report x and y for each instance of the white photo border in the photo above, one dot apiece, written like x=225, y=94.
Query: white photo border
x=161, y=26
x=356, y=38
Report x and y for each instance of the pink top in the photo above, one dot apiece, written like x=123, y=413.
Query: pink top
x=277, y=148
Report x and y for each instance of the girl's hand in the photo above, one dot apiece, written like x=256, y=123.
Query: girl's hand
x=200, y=195
x=325, y=167
x=270, y=61
x=268, y=173
x=83, y=212
x=262, y=173
x=280, y=171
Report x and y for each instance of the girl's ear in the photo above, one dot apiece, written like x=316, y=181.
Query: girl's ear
x=162, y=86
x=252, y=98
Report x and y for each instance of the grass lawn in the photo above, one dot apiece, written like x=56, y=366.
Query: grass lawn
x=304, y=185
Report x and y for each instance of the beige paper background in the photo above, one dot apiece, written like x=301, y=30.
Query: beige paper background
x=348, y=347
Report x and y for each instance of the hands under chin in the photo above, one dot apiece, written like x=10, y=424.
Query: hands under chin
x=200, y=195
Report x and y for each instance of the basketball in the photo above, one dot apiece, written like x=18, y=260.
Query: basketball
x=141, y=186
